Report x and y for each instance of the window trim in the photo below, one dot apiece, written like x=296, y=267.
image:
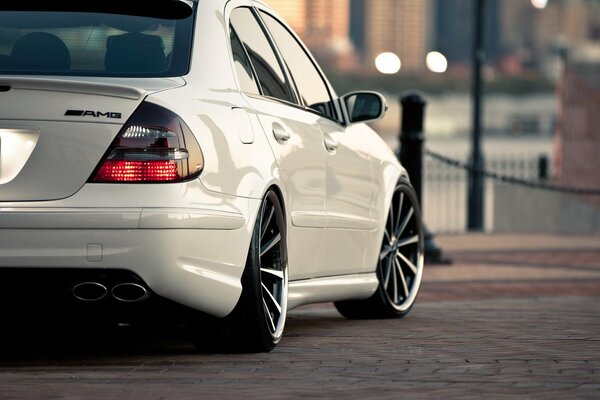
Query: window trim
x=297, y=104
x=338, y=118
x=289, y=89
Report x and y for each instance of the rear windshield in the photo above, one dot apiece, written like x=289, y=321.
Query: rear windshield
x=96, y=38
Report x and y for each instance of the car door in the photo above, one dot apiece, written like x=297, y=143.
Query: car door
x=349, y=194
x=294, y=136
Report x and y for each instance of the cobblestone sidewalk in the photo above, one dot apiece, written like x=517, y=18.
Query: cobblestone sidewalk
x=513, y=317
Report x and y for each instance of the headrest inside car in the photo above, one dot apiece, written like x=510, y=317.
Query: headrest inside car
x=40, y=51
x=135, y=52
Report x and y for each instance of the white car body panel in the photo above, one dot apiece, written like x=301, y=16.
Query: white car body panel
x=189, y=241
x=318, y=290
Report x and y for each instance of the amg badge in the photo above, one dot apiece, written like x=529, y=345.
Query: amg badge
x=95, y=114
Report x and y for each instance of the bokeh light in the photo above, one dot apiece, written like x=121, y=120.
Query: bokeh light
x=539, y=3
x=388, y=63
x=437, y=62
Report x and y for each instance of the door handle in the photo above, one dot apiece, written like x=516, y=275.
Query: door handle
x=330, y=144
x=280, y=134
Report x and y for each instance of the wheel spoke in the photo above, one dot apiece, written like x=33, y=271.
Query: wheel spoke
x=388, y=272
x=266, y=223
x=397, y=224
x=385, y=252
x=270, y=244
x=407, y=241
x=270, y=296
x=395, y=282
x=402, y=277
x=410, y=265
x=272, y=272
x=391, y=217
x=405, y=222
x=387, y=236
x=269, y=317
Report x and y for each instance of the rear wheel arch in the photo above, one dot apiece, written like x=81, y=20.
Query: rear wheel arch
x=257, y=322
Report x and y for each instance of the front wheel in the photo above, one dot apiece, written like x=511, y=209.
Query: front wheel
x=400, y=264
x=257, y=322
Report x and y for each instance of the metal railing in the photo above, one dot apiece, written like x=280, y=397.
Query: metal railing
x=517, y=196
x=445, y=189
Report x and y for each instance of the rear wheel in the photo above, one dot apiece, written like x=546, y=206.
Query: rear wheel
x=257, y=322
x=400, y=265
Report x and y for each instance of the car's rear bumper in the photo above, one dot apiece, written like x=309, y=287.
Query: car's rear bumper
x=193, y=256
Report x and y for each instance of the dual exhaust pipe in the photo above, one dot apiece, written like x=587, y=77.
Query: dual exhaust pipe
x=127, y=292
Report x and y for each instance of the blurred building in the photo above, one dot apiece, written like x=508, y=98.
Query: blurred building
x=398, y=26
x=323, y=24
x=455, y=28
x=537, y=37
x=578, y=134
x=328, y=22
x=293, y=11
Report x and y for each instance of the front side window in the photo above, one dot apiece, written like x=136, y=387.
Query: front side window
x=270, y=73
x=307, y=78
x=96, y=38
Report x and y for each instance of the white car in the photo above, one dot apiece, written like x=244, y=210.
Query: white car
x=191, y=156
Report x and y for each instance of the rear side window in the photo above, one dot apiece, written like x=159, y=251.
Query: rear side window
x=96, y=38
x=306, y=76
x=243, y=67
x=270, y=73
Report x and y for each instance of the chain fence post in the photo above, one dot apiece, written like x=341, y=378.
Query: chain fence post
x=410, y=154
x=476, y=189
x=543, y=168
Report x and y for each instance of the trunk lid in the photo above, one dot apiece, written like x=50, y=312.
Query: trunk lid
x=54, y=132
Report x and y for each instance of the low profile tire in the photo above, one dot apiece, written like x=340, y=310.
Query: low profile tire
x=401, y=259
x=257, y=322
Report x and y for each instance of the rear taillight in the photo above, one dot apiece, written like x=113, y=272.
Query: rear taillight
x=155, y=145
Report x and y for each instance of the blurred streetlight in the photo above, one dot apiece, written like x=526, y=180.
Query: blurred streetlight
x=540, y=4
x=437, y=62
x=388, y=63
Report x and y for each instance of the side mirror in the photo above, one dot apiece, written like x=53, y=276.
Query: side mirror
x=363, y=106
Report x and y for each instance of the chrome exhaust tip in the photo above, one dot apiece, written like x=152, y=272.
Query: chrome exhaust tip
x=89, y=291
x=130, y=292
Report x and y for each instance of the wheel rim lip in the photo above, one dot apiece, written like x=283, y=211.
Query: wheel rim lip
x=282, y=298
x=420, y=259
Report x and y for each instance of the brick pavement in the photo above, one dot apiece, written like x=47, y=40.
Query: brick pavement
x=513, y=317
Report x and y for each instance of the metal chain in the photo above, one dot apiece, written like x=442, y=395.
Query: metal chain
x=511, y=179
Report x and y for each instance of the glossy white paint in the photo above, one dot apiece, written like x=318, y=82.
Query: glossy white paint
x=189, y=241
x=342, y=287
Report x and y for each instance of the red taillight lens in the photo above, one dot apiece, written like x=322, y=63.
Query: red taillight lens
x=155, y=145
x=138, y=171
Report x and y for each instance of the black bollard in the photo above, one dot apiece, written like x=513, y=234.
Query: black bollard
x=543, y=167
x=412, y=139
